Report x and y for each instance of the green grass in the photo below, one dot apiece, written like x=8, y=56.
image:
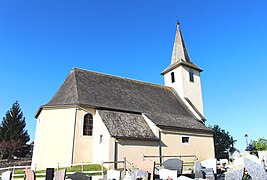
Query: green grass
x=88, y=167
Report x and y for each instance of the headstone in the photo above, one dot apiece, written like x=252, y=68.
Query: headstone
x=174, y=164
x=239, y=161
x=60, y=175
x=236, y=174
x=113, y=174
x=263, y=156
x=167, y=174
x=139, y=174
x=183, y=178
x=254, y=168
x=208, y=174
x=198, y=172
x=128, y=176
x=49, y=175
x=148, y=166
x=29, y=174
x=7, y=175
x=79, y=176
x=210, y=163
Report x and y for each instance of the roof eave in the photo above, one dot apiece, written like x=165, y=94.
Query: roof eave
x=135, y=138
x=171, y=67
x=207, y=131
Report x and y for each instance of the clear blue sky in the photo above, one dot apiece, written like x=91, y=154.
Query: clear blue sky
x=41, y=41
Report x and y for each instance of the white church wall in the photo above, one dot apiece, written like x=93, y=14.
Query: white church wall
x=54, y=140
x=178, y=83
x=193, y=90
x=101, y=141
x=151, y=125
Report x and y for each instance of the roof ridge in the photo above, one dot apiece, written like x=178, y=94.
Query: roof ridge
x=76, y=88
x=122, y=78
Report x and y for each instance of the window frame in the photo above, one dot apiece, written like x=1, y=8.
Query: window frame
x=191, y=75
x=187, y=141
x=87, y=128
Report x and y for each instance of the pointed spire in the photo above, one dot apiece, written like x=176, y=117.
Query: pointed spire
x=179, y=52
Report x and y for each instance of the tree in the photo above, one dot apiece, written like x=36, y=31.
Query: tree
x=222, y=139
x=255, y=146
x=13, y=135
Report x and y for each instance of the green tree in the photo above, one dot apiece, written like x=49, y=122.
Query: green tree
x=13, y=134
x=259, y=145
x=222, y=139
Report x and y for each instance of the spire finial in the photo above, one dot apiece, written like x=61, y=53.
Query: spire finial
x=177, y=24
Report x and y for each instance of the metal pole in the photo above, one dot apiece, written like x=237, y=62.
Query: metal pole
x=102, y=171
x=82, y=166
x=124, y=165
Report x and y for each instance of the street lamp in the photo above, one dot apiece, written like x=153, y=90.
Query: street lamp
x=246, y=137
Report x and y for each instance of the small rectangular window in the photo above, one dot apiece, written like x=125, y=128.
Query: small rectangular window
x=185, y=140
x=191, y=76
x=172, y=77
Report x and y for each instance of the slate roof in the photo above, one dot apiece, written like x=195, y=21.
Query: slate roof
x=126, y=125
x=171, y=121
x=101, y=91
x=98, y=90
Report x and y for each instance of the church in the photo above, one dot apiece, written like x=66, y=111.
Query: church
x=96, y=117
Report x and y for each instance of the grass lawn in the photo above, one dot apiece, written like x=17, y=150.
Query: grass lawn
x=86, y=168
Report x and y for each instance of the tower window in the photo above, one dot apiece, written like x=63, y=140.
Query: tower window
x=88, y=125
x=191, y=76
x=172, y=77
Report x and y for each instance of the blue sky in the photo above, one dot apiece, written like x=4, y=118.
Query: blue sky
x=41, y=41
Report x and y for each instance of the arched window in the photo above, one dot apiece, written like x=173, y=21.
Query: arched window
x=88, y=125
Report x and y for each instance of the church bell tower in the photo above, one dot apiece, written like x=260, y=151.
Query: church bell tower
x=184, y=76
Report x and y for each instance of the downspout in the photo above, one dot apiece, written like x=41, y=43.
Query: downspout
x=74, y=131
x=115, y=153
x=160, y=150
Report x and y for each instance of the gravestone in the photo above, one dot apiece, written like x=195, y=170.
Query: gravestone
x=198, y=172
x=7, y=175
x=183, y=178
x=60, y=175
x=49, y=175
x=139, y=174
x=113, y=174
x=167, y=174
x=79, y=176
x=236, y=174
x=29, y=174
x=148, y=166
x=254, y=168
x=208, y=174
x=174, y=164
x=210, y=163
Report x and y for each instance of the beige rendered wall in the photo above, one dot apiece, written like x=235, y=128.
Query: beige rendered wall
x=53, y=143
x=133, y=150
x=83, y=144
x=201, y=145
